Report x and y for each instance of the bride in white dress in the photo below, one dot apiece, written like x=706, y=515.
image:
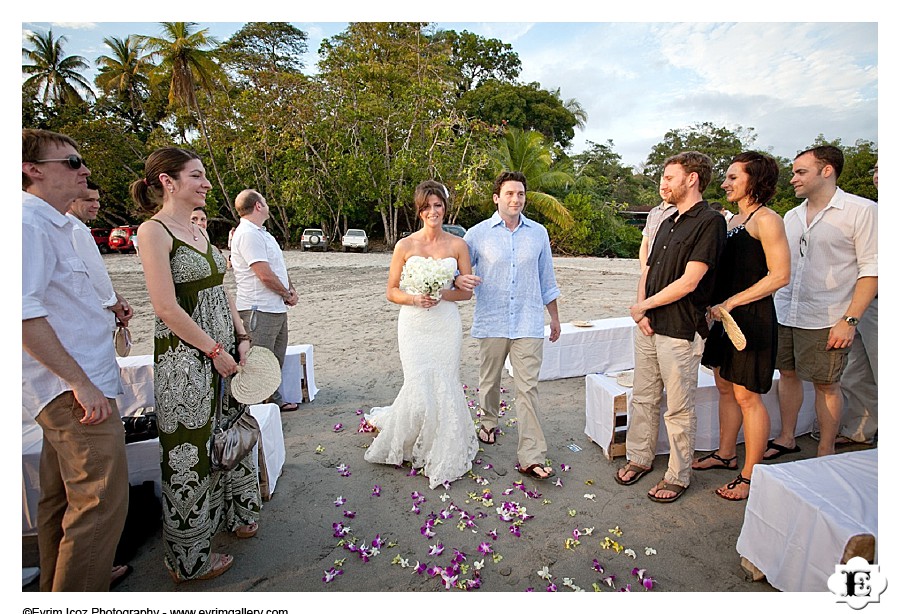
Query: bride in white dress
x=429, y=423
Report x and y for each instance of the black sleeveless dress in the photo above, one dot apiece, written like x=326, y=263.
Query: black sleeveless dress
x=742, y=264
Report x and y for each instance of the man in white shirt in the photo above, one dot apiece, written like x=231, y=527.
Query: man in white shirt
x=833, y=238
x=264, y=290
x=81, y=211
x=70, y=378
x=859, y=383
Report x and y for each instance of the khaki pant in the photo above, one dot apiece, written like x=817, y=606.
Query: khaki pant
x=271, y=332
x=661, y=361
x=859, y=382
x=525, y=355
x=84, y=496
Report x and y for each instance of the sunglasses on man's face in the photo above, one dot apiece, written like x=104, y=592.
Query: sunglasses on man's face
x=74, y=161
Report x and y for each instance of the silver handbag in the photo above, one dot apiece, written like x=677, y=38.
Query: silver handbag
x=231, y=439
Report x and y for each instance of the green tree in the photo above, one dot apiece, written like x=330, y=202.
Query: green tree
x=719, y=143
x=610, y=181
x=387, y=89
x=124, y=76
x=55, y=74
x=265, y=47
x=527, y=107
x=187, y=63
x=477, y=59
x=526, y=152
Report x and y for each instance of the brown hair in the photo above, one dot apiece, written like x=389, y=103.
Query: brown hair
x=245, y=202
x=827, y=155
x=426, y=189
x=763, y=173
x=693, y=162
x=147, y=192
x=35, y=142
x=509, y=176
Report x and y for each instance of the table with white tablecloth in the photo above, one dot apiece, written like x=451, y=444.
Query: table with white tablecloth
x=601, y=390
x=297, y=379
x=805, y=517
x=606, y=345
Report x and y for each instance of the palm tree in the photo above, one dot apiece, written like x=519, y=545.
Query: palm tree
x=525, y=151
x=188, y=63
x=574, y=107
x=124, y=74
x=54, y=72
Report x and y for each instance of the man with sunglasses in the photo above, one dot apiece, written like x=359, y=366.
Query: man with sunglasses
x=70, y=378
x=264, y=290
x=833, y=238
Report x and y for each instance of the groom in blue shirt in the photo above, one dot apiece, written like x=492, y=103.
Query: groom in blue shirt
x=514, y=281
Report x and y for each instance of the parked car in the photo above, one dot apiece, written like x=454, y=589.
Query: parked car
x=101, y=238
x=454, y=229
x=120, y=238
x=355, y=239
x=313, y=238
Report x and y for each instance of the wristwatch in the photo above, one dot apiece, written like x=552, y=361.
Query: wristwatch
x=851, y=320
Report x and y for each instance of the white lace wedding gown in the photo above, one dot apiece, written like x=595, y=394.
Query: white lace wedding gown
x=429, y=423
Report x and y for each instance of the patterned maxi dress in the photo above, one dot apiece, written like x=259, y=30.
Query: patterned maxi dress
x=197, y=503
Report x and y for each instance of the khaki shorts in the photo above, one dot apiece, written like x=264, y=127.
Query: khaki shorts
x=803, y=351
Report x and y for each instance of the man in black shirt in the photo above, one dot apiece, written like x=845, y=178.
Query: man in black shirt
x=670, y=312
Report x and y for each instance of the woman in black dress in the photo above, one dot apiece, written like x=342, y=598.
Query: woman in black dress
x=755, y=263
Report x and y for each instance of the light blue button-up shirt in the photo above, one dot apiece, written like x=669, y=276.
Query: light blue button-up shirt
x=517, y=278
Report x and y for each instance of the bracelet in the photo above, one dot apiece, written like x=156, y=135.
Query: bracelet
x=218, y=349
x=242, y=337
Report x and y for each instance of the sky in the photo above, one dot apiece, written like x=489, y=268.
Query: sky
x=789, y=81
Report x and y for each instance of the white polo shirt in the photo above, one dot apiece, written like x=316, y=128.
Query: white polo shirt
x=251, y=244
x=56, y=286
x=827, y=257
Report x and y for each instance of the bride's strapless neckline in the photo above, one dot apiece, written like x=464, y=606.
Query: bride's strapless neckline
x=433, y=258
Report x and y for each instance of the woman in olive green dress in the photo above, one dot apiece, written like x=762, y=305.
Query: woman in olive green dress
x=196, y=328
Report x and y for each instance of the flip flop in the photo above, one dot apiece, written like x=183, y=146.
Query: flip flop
x=290, y=407
x=726, y=462
x=842, y=440
x=221, y=564
x=668, y=487
x=488, y=435
x=639, y=473
x=530, y=471
x=117, y=580
x=780, y=450
x=246, y=531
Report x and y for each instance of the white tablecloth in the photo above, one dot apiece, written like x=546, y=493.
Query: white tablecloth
x=600, y=391
x=137, y=379
x=606, y=346
x=800, y=516
x=291, y=377
x=269, y=418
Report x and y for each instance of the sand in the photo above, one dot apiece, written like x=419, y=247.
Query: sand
x=343, y=312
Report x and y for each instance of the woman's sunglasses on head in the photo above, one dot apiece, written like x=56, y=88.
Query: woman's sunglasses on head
x=74, y=161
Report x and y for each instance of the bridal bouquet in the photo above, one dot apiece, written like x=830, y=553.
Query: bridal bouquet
x=424, y=276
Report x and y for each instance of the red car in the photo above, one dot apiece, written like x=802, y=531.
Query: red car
x=101, y=237
x=120, y=238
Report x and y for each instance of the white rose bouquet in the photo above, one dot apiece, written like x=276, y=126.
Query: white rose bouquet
x=424, y=276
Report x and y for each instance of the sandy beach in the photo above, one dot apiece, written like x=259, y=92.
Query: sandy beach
x=343, y=312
